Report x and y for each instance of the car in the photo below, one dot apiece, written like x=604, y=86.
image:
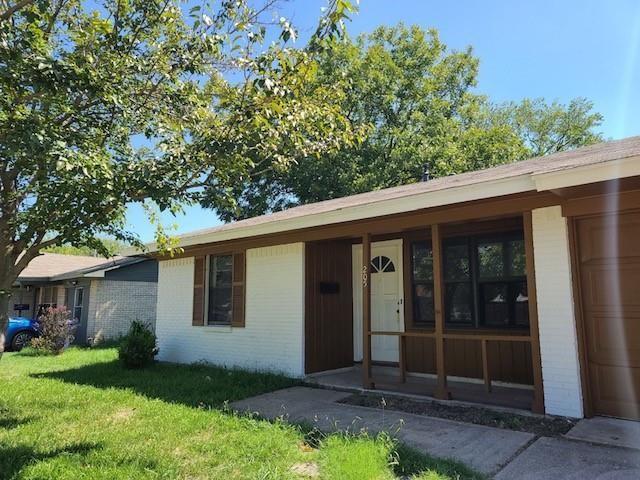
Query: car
x=19, y=333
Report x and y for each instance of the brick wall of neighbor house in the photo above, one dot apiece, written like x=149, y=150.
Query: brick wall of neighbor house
x=114, y=304
x=558, y=337
x=24, y=296
x=273, y=336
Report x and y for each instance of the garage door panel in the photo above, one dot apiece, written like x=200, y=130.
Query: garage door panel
x=617, y=390
x=609, y=237
x=609, y=253
x=613, y=285
x=614, y=340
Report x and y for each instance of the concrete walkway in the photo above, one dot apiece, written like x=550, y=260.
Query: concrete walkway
x=504, y=454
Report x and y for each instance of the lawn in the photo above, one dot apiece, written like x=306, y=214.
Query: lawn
x=81, y=416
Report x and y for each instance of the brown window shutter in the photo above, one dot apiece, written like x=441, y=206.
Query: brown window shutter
x=238, y=290
x=199, y=283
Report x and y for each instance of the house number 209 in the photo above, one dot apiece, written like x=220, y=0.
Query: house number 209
x=365, y=276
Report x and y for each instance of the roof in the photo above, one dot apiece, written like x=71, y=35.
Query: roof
x=56, y=267
x=98, y=270
x=516, y=177
x=48, y=265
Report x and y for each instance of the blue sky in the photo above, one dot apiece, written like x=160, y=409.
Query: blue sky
x=553, y=49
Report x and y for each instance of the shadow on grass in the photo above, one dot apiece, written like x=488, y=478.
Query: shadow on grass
x=14, y=459
x=11, y=422
x=195, y=385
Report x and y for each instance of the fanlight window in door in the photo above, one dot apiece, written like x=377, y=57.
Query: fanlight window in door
x=382, y=264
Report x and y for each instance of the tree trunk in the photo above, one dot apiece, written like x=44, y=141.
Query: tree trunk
x=7, y=277
x=4, y=317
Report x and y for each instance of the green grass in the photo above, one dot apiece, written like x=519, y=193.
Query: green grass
x=81, y=416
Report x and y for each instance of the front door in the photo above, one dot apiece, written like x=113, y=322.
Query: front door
x=609, y=263
x=386, y=299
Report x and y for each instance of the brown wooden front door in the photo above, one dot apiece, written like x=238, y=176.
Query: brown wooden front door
x=609, y=263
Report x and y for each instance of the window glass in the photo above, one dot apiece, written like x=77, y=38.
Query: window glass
x=422, y=283
x=516, y=258
x=495, y=297
x=491, y=260
x=456, y=262
x=521, y=300
x=382, y=264
x=423, y=306
x=458, y=301
x=422, y=261
x=220, y=289
x=77, y=307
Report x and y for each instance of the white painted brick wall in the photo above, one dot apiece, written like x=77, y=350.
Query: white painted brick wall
x=114, y=304
x=273, y=336
x=558, y=338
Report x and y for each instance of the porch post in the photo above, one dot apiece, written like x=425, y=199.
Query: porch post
x=538, y=390
x=366, y=311
x=442, y=390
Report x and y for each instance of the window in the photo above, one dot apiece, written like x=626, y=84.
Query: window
x=422, y=283
x=382, y=264
x=77, y=303
x=48, y=299
x=485, y=281
x=502, y=282
x=220, y=289
x=458, y=291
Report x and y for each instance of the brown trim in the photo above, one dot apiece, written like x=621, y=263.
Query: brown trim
x=366, y=311
x=238, y=290
x=486, y=374
x=536, y=359
x=442, y=391
x=407, y=283
x=498, y=207
x=199, y=283
x=585, y=378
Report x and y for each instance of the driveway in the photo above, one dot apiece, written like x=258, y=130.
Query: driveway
x=505, y=454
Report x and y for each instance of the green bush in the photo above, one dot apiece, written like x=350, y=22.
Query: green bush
x=138, y=346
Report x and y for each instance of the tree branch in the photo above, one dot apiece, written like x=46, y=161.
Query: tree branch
x=8, y=13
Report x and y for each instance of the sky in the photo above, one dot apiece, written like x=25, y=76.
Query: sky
x=527, y=49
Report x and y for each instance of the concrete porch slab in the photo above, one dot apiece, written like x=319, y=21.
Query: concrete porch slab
x=557, y=458
x=485, y=449
x=607, y=431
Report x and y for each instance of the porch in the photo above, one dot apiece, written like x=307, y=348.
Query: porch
x=446, y=310
x=389, y=379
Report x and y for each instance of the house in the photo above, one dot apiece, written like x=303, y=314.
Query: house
x=515, y=285
x=104, y=295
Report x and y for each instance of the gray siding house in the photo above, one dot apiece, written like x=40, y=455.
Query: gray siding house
x=104, y=295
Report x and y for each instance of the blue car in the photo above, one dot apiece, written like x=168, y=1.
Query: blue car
x=19, y=333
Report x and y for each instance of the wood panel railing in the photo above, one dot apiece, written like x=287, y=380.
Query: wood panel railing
x=483, y=338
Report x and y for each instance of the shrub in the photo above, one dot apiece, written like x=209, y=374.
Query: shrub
x=138, y=346
x=56, y=331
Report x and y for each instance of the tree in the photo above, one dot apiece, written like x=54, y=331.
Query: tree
x=114, y=247
x=417, y=99
x=549, y=128
x=137, y=100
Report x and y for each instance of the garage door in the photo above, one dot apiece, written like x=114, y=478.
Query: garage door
x=609, y=261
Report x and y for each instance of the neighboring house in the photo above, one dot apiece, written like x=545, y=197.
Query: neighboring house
x=104, y=295
x=521, y=279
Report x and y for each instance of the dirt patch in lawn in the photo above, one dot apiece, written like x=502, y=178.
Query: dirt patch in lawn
x=546, y=426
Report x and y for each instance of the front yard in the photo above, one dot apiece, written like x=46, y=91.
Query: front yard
x=80, y=415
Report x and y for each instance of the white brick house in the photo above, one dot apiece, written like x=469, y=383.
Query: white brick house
x=514, y=285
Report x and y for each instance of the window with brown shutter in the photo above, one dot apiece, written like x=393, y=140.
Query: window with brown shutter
x=219, y=290
x=198, y=290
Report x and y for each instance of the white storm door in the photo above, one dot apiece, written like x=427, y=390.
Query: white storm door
x=387, y=312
